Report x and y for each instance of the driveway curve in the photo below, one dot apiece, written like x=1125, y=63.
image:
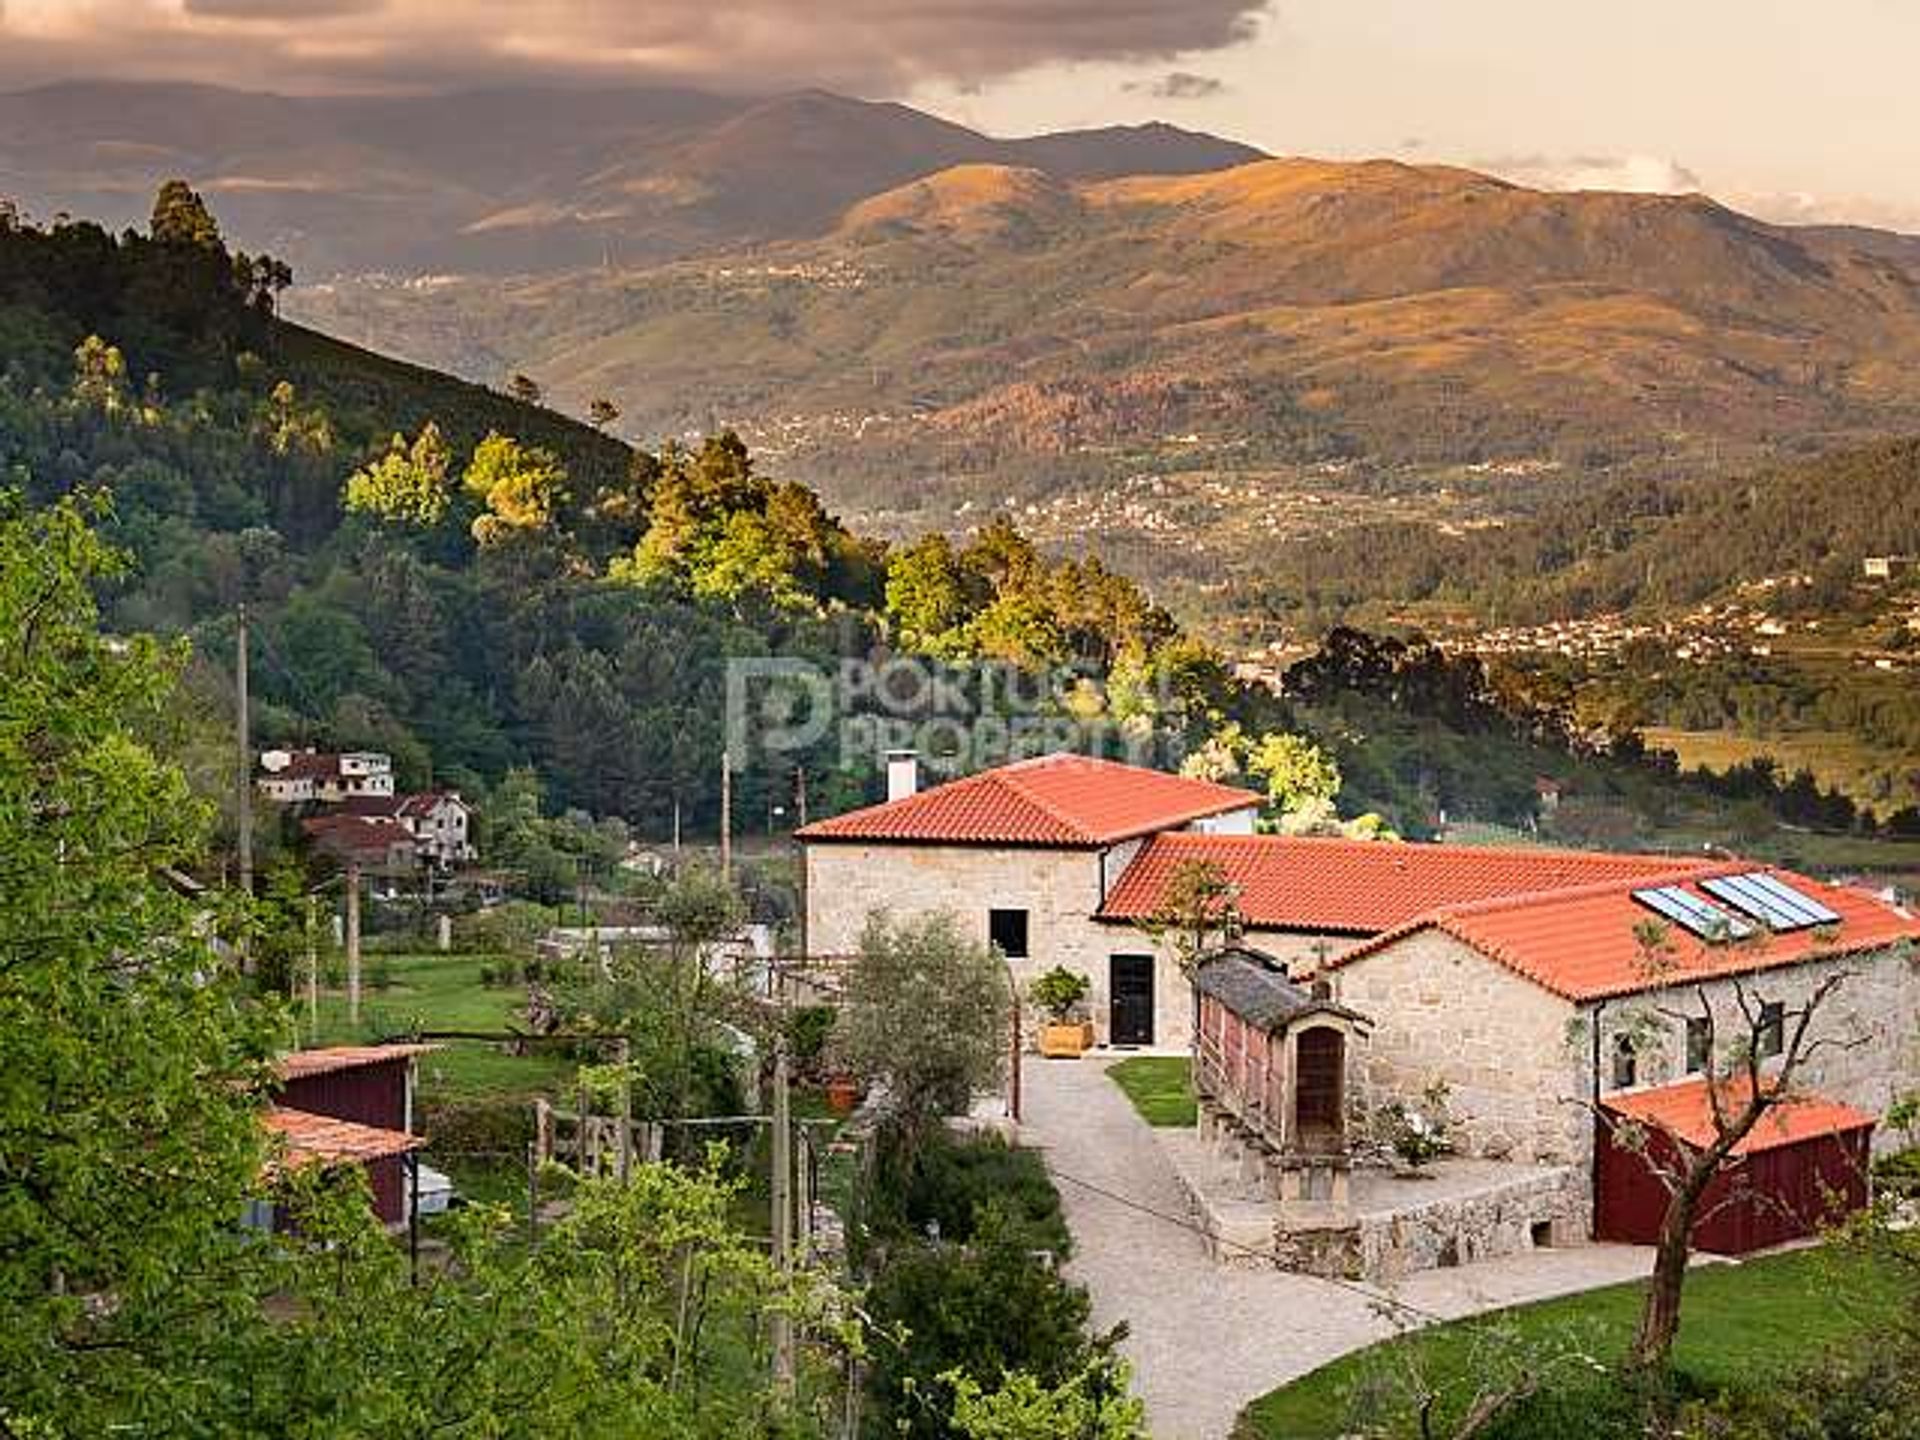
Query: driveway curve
x=1205, y=1339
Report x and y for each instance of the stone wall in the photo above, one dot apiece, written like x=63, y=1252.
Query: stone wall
x=1519, y=1060
x=1868, y=1030
x=1442, y=1011
x=1059, y=889
x=1540, y=1205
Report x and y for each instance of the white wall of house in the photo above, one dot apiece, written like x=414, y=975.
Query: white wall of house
x=1059, y=889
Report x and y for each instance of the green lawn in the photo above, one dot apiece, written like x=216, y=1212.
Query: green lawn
x=1159, y=1087
x=443, y=992
x=1762, y=1318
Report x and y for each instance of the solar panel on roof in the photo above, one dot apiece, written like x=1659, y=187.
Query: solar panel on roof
x=1691, y=913
x=1780, y=890
x=1776, y=912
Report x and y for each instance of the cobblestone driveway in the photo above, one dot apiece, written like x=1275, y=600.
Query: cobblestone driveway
x=1206, y=1339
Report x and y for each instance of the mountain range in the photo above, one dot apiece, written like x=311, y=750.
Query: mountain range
x=925, y=321
x=506, y=181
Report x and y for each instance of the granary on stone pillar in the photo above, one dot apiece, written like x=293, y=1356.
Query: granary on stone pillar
x=1270, y=1065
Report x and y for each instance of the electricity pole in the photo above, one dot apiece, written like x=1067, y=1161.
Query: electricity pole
x=726, y=814
x=783, y=1359
x=244, y=800
x=353, y=941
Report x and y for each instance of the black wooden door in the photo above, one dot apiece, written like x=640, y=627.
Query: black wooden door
x=1130, y=984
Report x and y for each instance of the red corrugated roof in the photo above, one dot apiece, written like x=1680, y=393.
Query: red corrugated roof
x=1063, y=800
x=1584, y=943
x=1685, y=1112
x=1358, y=887
x=302, y=1064
x=325, y=1140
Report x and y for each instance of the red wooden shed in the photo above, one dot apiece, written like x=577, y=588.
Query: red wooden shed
x=352, y=1104
x=1804, y=1166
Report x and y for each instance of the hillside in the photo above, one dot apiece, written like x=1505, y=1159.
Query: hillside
x=988, y=332
x=504, y=181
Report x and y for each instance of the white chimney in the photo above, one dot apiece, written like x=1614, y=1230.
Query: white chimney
x=903, y=774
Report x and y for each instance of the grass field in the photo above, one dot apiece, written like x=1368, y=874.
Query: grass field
x=1762, y=1318
x=1159, y=1088
x=443, y=992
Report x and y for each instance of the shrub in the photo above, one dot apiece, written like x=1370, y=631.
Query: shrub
x=1060, y=992
x=808, y=1030
x=953, y=1182
x=985, y=1309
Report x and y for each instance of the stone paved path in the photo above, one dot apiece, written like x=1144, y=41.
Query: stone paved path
x=1206, y=1339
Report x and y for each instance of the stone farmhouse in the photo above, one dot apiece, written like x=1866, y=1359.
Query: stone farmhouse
x=1026, y=854
x=1550, y=992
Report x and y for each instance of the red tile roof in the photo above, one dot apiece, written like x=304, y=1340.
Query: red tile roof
x=1073, y=801
x=1359, y=887
x=321, y=1139
x=1685, y=1112
x=302, y=1064
x=1584, y=944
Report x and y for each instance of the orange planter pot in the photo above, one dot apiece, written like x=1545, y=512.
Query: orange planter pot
x=1066, y=1042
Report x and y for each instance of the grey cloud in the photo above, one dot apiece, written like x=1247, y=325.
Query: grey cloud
x=283, y=10
x=866, y=46
x=1179, y=85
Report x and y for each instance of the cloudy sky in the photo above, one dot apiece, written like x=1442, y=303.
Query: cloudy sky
x=1792, y=108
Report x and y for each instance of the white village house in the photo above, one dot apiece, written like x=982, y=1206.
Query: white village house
x=1544, y=988
x=361, y=816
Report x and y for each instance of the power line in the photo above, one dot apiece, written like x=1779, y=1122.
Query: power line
x=1374, y=1296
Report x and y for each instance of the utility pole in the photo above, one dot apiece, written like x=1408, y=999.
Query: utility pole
x=726, y=814
x=353, y=941
x=244, y=800
x=313, y=973
x=623, y=1052
x=783, y=1360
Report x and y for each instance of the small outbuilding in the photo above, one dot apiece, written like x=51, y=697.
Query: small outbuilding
x=1804, y=1166
x=352, y=1105
x=1271, y=1056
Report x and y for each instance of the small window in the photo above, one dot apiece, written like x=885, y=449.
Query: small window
x=1699, y=1044
x=1771, y=1036
x=1626, y=1065
x=1007, y=929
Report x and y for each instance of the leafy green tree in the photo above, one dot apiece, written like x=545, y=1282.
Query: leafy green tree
x=949, y=1314
x=522, y=487
x=181, y=218
x=927, y=1011
x=1300, y=777
x=1092, y=1405
x=129, y=1066
x=408, y=484
x=928, y=594
x=100, y=376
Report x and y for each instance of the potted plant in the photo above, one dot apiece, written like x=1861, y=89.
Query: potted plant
x=1062, y=993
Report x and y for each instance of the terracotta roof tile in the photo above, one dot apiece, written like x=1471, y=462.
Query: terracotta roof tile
x=322, y=1139
x=1358, y=887
x=1685, y=1112
x=1585, y=944
x=302, y=1064
x=1057, y=800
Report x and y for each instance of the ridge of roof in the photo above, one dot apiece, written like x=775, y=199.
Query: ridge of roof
x=1062, y=799
x=1724, y=960
x=1334, y=885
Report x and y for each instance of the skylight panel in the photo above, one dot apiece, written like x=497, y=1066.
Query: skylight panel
x=1692, y=914
x=1776, y=912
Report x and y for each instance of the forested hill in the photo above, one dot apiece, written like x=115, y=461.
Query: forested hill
x=1641, y=545
x=462, y=578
